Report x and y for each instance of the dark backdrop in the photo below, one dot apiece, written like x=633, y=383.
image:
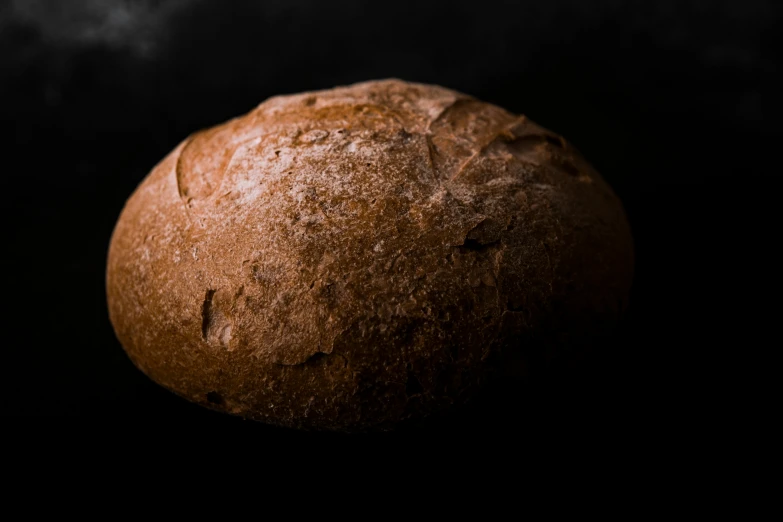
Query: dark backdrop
x=675, y=102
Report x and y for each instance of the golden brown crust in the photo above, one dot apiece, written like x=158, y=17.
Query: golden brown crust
x=347, y=258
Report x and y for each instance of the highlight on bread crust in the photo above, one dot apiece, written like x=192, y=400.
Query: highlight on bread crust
x=349, y=258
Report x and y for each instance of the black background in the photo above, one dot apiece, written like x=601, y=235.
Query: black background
x=676, y=103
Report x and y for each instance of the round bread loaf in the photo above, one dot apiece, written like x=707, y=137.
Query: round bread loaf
x=348, y=258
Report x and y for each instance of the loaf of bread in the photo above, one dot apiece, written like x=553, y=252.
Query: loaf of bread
x=349, y=258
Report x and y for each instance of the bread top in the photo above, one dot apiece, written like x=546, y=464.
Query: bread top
x=334, y=216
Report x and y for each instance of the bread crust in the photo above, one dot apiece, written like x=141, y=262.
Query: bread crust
x=348, y=258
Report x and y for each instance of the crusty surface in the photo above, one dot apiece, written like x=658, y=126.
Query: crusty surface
x=348, y=258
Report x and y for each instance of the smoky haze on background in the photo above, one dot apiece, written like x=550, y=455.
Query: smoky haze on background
x=158, y=70
x=665, y=98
